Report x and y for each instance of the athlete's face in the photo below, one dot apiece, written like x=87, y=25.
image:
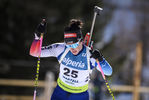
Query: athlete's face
x=76, y=50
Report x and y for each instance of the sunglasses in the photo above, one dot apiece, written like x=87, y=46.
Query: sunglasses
x=75, y=45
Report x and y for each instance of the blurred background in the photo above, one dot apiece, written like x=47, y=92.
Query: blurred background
x=121, y=34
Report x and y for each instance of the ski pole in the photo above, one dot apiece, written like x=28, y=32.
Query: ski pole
x=38, y=63
x=97, y=11
x=107, y=84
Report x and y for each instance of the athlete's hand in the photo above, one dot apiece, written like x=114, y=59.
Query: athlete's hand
x=41, y=28
x=96, y=54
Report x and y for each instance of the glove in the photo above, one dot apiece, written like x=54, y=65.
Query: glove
x=41, y=28
x=96, y=54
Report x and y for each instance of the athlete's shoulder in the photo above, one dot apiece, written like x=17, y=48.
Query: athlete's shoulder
x=59, y=45
x=54, y=49
x=55, y=46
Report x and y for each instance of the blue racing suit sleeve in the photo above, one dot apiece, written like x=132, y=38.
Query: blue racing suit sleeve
x=107, y=69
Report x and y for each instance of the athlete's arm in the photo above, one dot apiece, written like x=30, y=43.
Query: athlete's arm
x=52, y=50
x=34, y=49
x=106, y=68
x=95, y=54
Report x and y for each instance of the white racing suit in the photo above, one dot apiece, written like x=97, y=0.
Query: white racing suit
x=74, y=74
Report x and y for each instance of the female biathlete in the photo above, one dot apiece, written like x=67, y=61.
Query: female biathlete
x=76, y=62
